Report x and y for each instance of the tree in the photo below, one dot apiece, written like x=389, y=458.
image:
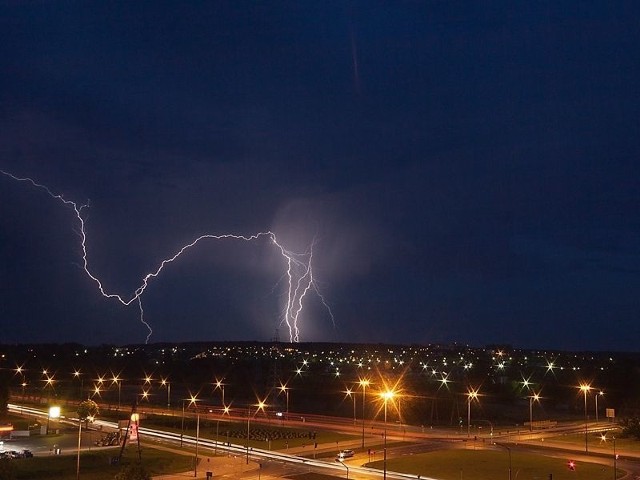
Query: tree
x=4, y=394
x=631, y=427
x=87, y=409
x=133, y=472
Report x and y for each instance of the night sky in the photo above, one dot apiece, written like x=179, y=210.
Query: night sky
x=467, y=172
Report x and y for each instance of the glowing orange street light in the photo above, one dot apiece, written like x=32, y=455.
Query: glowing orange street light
x=386, y=396
x=364, y=383
x=260, y=406
x=585, y=388
x=351, y=394
x=532, y=398
x=220, y=385
x=471, y=395
x=285, y=390
x=192, y=401
x=165, y=383
x=599, y=394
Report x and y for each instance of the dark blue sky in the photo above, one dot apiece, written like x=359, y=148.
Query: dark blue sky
x=469, y=171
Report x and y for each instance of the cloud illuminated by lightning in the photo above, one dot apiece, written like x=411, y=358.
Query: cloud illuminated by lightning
x=299, y=270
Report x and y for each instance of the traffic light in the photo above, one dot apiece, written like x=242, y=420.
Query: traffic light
x=571, y=465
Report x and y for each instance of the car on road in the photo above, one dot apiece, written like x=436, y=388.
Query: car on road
x=342, y=454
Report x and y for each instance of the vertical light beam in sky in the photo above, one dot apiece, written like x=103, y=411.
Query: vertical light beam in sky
x=299, y=271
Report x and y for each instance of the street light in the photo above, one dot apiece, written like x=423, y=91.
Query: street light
x=54, y=412
x=603, y=438
x=533, y=397
x=471, y=395
x=195, y=465
x=117, y=380
x=615, y=460
x=192, y=401
x=508, y=450
x=220, y=385
x=283, y=388
x=165, y=383
x=260, y=406
x=386, y=396
x=584, y=388
x=224, y=412
x=364, y=383
x=77, y=374
x=599, y=394
x=351, y=394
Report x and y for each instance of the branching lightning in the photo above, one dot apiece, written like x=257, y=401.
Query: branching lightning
x=299, y=270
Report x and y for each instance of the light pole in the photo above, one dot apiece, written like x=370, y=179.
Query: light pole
x=601, y=393
x=283, y=388
x=584, y=388
x=77, y=374
x=195, y=466
x=471, y=395
x=192, y=401
x=615, y=461
x=260, y=406
x=117, y=380
x=508, y=450
x=224, y=412
x=165, y=383
x=349, y=393
x=386, y=396
x=364, y=383
x=220, y=385
x=533, y=397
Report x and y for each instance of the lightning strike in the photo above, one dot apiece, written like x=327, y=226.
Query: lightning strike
x=299, y=270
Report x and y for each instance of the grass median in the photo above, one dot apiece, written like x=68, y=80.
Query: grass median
x=99, y=465
x=491, y=465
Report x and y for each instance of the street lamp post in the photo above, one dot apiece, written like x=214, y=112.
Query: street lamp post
x=349, y=393
x=471, y=395
x=585, y=389
x=192, y=401
x=283, y=388
x=615, y=461
x=220, y=385
x=182, y=424
x=118, y=381
x=195, y=466
x=601, y=393
x=260, y=406
x=386, y=396
x=364, y=383
x=166, y=383
x=533, y=397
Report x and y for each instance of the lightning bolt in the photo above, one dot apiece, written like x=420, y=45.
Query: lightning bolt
x=299, y=270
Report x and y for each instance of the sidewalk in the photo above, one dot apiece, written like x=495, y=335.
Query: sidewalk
x=220, y=465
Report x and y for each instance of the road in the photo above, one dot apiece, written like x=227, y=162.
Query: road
x=259, y=463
